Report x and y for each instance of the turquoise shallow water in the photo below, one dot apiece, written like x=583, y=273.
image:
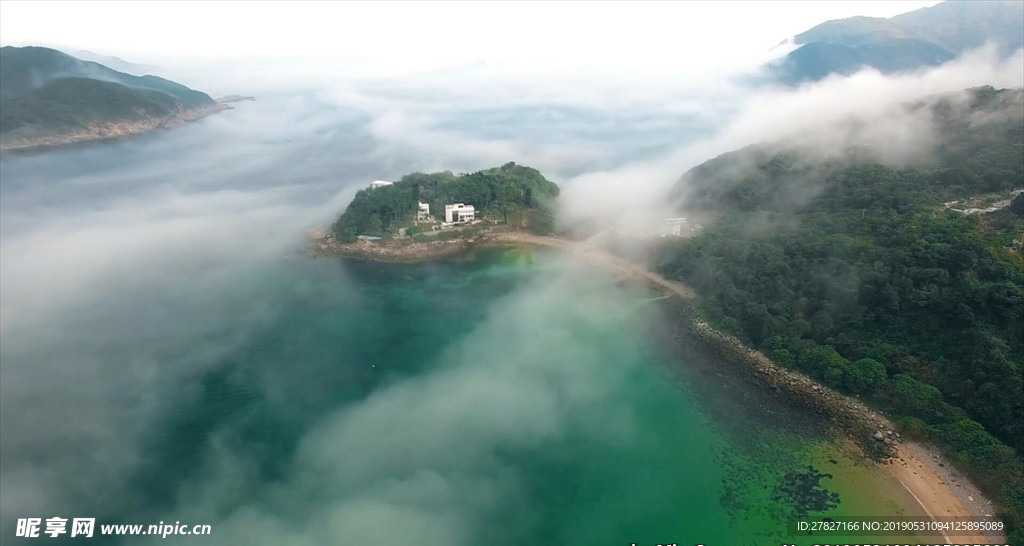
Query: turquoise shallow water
x=503, y=397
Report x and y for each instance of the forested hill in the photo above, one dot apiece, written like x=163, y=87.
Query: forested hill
x=964, y=143
x=25, y=69
x=498, y=193
x=866, y=276
x=49, y=98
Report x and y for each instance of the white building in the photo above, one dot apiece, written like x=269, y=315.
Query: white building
x=422, y=212
x=379, y=184
x=459, y=213
x=674, y=227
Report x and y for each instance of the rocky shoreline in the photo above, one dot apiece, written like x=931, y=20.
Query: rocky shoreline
x=108, y=131
x=235, y=98
x=873, y=433
x=324, y=243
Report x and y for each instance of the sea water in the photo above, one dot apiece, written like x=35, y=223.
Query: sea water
x=501, y=397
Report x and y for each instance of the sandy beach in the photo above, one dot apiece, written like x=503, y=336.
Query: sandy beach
x=941, y=491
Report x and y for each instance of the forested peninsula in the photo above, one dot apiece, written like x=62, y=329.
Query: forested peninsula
x=49, y=98
x=901, y=285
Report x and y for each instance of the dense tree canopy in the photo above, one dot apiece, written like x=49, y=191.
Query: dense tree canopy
x=497, y=192
x=44, y=92
x=857, y=274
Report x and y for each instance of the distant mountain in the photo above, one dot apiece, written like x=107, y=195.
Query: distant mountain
x=49, y=98
x=920, y=38
x=116, y=63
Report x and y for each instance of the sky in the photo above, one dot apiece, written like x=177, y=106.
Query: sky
x=395, y=38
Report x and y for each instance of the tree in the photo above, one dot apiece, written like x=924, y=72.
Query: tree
x=817, y=359
x=376, y=226
x=864, y=375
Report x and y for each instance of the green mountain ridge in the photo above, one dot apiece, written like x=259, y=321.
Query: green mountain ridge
x=917, y=39
x=78, y=103
x=49, y=98
x=24, y=69
x=818, y=60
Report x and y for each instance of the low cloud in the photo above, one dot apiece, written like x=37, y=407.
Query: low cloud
x=104, y=247
x=824, y=118
x=426, y=456
x=125, y=276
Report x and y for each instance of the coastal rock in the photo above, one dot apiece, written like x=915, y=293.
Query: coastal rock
x=29, y=138
x=848, y=414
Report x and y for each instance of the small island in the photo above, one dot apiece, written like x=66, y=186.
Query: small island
x=428, y=216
